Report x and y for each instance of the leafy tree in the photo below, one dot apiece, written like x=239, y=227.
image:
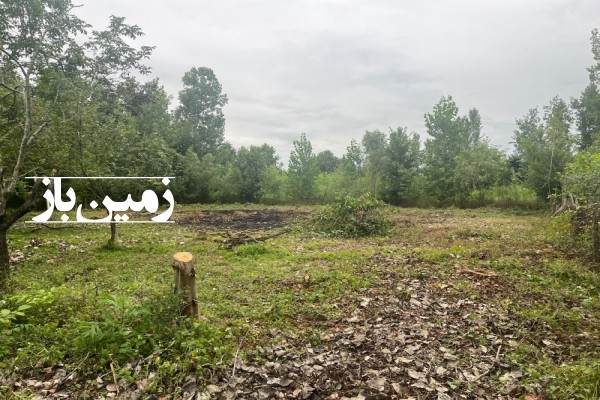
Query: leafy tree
x=273, y=182
x=352, y=161
x=148, y=103
x=595, y=69
x=587, y=106
x=226, y=154
x=587, y=115
x=302, y=169
x=42, y=47
x=200, y=123
x=452, y=136
x=251, y=163
x=329, y=186
x=480, y=168
x=545, y=147
x=375, y=144
x=29, y=43
x=327, y=162
x=204, y=180
x=401, y=168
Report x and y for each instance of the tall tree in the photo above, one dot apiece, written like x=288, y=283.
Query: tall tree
x=352, y=161
x=545, y=147
x=302, y=169
x=587, y=115
x=375, y=144
x=401, y=168
x=587, y=106
x=452, y=136
x=200, y=123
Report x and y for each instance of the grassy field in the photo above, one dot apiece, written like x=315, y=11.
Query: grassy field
x=452, y=304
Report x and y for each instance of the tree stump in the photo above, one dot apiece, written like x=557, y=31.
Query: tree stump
x=184, y=267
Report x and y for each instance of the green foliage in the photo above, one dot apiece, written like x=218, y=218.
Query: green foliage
x=513, y=196
x=352, y=161
x=375, y=145
x=351, y=216
x=199, y=119
x=114, y=328
x=124, y=329
x=587, y=106
x=327, y=162
x=330, y=186
x=453, y=138
x=399, y=173
x=38, y=315
x=272, y=184
x=481, y=168
x=203, y=343
x=587, y=115
x=251, y=163
x=302, y=170
x=545, y=148
x=570, y=381
x=582, y=180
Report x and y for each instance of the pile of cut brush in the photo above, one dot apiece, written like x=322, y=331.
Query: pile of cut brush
x=232, y=239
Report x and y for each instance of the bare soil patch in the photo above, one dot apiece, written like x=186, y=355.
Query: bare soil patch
x=242, y=219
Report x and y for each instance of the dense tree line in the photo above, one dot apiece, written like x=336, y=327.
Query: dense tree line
x=72, y=102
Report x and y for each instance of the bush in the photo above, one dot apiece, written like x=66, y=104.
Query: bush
x=349, y=216
x=582, y=181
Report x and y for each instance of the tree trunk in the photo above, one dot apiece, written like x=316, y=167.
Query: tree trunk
x=7, y=219
x=596, y=234
x=4, y=257
x=113, y=233
x=184, y=268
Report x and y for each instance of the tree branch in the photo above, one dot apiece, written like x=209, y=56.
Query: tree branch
x=36, y=132
x=15, y=60
x=9, y=88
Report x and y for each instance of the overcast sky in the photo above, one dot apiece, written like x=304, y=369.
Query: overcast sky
x=335, y=68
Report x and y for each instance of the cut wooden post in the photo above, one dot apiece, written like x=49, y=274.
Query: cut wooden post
x=184, y=267
x=113, y=233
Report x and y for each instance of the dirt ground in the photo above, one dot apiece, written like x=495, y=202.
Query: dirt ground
x=241, y=219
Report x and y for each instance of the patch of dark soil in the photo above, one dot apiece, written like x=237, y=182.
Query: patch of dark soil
x=242, y=219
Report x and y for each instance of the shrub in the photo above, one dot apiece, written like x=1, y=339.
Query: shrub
x=512, y=196
x=350, y=216
x=582, y=181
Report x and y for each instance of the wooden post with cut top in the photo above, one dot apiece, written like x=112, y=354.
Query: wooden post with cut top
x=184, y=267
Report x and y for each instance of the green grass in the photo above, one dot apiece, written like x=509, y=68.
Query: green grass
x=76, y=301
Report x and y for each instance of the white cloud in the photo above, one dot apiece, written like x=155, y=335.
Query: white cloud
x=333, y=69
